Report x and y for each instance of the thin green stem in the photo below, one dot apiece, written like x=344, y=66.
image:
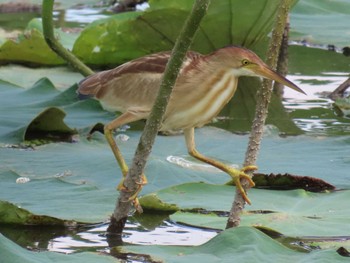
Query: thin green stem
x=55, y=45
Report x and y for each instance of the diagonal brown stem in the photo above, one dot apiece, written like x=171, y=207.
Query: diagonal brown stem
x=144, y=148
x=263, y=99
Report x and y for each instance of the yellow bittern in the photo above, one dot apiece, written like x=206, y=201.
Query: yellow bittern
x=204, y=86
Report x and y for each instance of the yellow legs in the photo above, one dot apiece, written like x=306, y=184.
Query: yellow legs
x=236, y=175
x=127, y=117
x=108, y=129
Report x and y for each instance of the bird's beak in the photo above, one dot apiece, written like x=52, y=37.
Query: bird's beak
x=266, y=72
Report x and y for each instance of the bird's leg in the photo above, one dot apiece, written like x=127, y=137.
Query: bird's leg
x=126, y=117
x=236, y=174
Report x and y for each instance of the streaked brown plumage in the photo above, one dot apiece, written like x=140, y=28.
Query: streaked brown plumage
x=204, y=86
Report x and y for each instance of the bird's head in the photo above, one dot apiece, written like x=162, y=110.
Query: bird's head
x=244, y=62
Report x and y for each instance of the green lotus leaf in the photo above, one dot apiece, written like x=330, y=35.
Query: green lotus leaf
x=292, y=213
x=14, y=215
x=120, y=38
x=31, y=48
x=243, y=244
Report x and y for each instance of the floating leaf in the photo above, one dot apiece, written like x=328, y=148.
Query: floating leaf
x=93, y=173
x=20, y=108
x=126, y=36
x=31, y=47
x=151, y=202
x=292, y=213
x=61, y=77
x=11, y=214
x=132, y=34
x=27, y=50
x=49, y=126
x=243, y=244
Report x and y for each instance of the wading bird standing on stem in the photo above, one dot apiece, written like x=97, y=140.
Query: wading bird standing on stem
x=204, y=86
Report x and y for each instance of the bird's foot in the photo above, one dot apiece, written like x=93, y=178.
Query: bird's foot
x=133, y=198
x=237, y=175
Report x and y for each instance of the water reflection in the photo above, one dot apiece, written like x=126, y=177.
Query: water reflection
x=93, y=238
x=315, y=113
x=83, y=15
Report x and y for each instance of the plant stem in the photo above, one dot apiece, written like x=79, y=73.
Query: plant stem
x=282, y=64
x=339, y=92
x=48, y=30
x=153, y=123
x=263, y=99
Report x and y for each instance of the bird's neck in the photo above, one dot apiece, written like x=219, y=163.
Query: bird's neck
x=207, y=66
x=210, y=74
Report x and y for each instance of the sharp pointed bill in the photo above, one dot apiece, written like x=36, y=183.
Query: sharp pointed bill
x=266, y=72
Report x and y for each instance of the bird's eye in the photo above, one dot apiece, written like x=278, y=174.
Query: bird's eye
x=245, y=62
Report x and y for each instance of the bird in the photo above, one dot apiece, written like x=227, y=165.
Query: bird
x=205, y=84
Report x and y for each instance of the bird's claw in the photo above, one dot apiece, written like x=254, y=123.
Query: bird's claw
x=249, y=168
x=143, y=181
x=133, y=198
x=237, y=175
x=138, y=207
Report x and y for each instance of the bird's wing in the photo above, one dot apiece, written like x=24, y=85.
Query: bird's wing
x=151, y=64
x=94, y=84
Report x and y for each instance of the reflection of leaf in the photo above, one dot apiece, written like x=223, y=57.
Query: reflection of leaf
x=242, y=244
x=314, y=61
x=343, y=106
x=337, y=126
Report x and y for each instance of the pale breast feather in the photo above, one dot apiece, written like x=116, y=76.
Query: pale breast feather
x=201, y=110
